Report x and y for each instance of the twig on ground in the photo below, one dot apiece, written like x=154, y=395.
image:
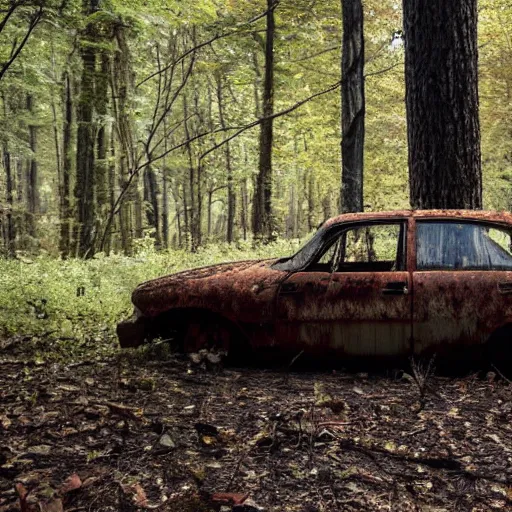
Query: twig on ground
x=422, y=376
x=501, y=375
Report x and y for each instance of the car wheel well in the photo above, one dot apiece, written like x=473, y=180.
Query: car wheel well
x=499, y=346
x=501, y=334
x=177, y=321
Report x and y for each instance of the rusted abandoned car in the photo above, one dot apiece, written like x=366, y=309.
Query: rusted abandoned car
x=368, y=284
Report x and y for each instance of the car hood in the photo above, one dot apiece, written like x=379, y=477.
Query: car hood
x=205, y=286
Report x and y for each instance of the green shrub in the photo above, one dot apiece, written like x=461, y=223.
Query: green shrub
x=83, y=300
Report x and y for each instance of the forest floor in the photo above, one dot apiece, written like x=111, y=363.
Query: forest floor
x=129, y=433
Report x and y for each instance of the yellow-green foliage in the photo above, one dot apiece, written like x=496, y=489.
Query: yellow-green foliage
x=83, y=299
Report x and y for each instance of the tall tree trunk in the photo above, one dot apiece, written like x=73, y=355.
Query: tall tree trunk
x=20, y=197
x=245, y=208
x=186, y=217
x=262, y=204
x=229, y=166
x=9, y=182
x=165, y=208
x=291, y=221
x=67, y=169
x=209, y=213
x=311, y=200
x=151, y=193
x=10, y=231
x=102, y=138
x=165, y=196
x=33, y=199
x=109, y=245
x=443, y=130
x=130, y=210
x=175, y=191
x=353, y=107
x=190, y=219
x=198, y=224
x=86, y=135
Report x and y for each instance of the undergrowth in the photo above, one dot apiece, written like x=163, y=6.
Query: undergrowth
x=76, y=302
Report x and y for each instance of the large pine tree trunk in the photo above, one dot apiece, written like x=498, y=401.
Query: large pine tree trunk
x=353, y=107
x=262, y=205
x=441, y=58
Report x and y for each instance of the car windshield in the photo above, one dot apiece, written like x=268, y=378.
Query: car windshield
x=306, y=253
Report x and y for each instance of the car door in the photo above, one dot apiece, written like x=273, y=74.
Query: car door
x=354, y=298
x=462, y=285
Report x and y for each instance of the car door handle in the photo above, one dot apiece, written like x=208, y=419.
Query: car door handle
x=396, y=288
x=505, y=287
x=289, y=288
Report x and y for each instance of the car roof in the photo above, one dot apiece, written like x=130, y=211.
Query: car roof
x=502, y=217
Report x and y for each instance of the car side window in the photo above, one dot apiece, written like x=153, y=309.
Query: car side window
x=462, y=246
x=363, y=248
x=372, y=248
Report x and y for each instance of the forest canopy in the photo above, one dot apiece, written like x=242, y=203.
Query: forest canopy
x=126, y=121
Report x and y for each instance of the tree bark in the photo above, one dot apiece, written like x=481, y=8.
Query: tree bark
x=262, y=204
x=151, y=193
x=190, y=218
x=311, y=200
x=32, y=174
x=441, y=59
x=165, y=208
x=11, y=228
x=67, y=169
x=229, y=167
x=109, y=242
x=86, y=135
x=165, y=196
x=353, y=107
x=102, y=138
x=245, y=208
x=186, y=228
x=130, y=210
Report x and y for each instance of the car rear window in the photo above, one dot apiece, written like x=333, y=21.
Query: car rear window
x=462, y=246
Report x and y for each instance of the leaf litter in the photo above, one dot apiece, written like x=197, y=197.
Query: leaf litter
x=131, y=434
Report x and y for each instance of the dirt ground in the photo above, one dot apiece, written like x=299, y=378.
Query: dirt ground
x=128, y=433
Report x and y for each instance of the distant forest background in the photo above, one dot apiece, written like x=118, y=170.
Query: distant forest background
x=123, y=122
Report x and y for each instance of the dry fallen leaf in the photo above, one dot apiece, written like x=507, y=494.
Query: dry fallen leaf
x=137, y=493
x=72, y=483
x=132, y=413
x=54, y=505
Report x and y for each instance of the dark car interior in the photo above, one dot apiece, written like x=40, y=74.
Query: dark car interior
x=375, y=247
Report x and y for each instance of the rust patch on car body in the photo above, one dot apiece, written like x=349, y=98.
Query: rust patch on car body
x=241, y=291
